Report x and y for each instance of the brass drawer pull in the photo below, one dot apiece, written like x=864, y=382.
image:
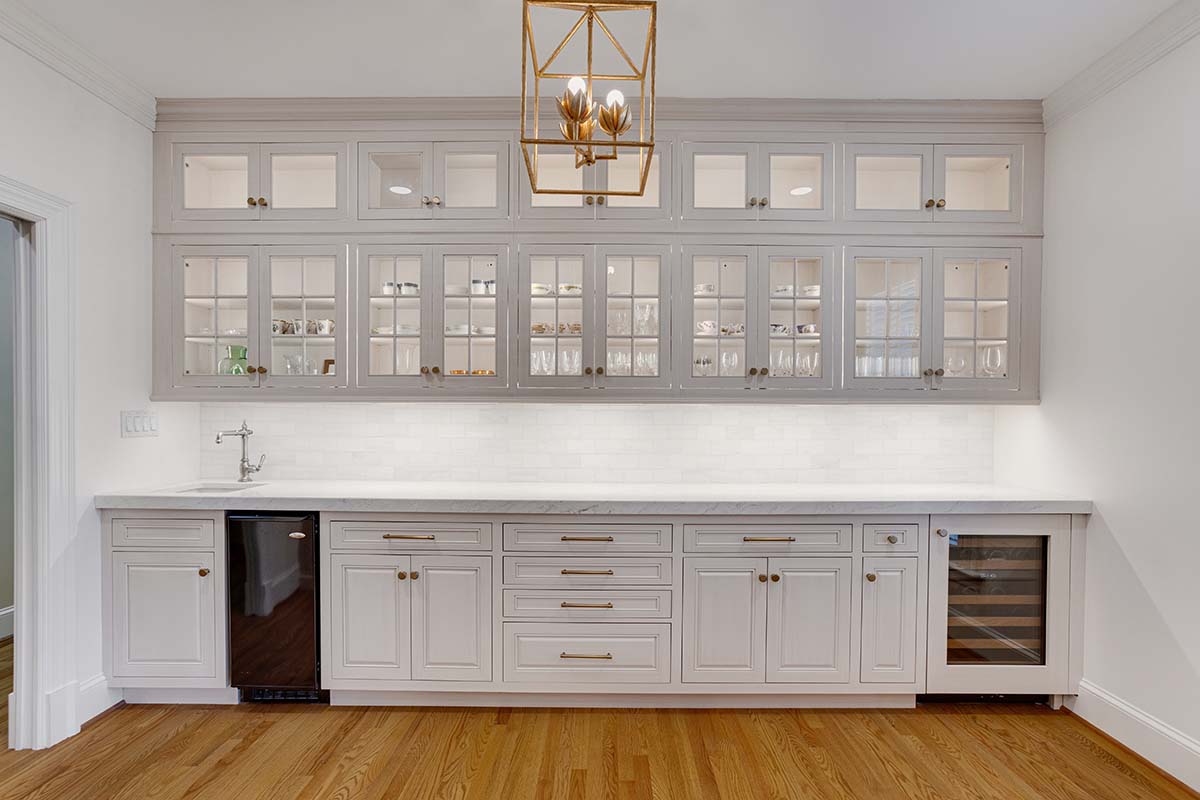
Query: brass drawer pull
x=586, y=572
x=604, y=657
x=423, y=536
x=565, y=604
x=768, y=538
x=585, y=538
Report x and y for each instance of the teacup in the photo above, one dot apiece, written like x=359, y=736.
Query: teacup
x=325, y=327
x=706, y=326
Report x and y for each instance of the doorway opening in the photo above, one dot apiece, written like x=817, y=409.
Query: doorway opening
x=14, y=239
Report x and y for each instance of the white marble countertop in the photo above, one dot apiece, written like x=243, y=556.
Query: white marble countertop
x=598, y=498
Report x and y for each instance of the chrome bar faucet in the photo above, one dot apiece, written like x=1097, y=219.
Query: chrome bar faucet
x=245, y=467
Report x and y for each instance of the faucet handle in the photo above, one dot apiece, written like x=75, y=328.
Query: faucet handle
x=262, y=460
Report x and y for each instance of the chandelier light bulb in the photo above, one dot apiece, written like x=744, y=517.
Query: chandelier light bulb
x=615, y=98
x=576, y=85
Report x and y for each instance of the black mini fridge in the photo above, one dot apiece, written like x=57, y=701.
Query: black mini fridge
x=274, y=651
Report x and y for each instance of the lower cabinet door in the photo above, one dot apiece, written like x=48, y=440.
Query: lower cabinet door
x=889, y=620
x=808, y=620
x=372, y=616
x=452, y=618
x=724, y=620
x=164, y=614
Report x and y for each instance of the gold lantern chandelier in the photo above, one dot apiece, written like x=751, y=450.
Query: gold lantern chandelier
x=592, y=132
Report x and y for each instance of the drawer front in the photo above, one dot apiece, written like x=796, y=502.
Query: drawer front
x=588, y=538
x=591, y=604
x=565, y=652
x=384, y=535
x=193, y=534
x=587, y=571
x=806, y=538
x=879, y=538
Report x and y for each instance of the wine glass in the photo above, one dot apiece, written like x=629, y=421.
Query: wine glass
x=993, y=360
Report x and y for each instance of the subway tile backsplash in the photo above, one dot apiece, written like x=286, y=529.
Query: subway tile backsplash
x=605, y=443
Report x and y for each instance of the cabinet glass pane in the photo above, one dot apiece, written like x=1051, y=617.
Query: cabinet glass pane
x=719, y=316
x=631, y=316
x=796, y=181
x=719, y=181
x=470, y=180
x=997, y=600
x=889, y=183
x=469, y=291
x=394, y=180
x=978, y=183
x=794, y=310
x=216, y=181
x=303, y=314
x=975, y=318
x=887, y=317
x=304, y=181
x=558, y=171
x=215, y=315
x=625, y=175
x=556, y=315
x=394, y=305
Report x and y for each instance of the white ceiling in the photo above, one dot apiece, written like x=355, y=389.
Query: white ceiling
x=707, y=48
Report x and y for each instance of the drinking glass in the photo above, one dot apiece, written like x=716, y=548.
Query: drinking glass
x=993, y=360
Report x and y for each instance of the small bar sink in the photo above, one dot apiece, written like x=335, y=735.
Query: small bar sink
x=219, y=488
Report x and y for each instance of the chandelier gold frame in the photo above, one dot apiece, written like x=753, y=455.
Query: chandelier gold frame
x=577, y=126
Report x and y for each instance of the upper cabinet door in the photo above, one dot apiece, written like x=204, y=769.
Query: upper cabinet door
x=470, y=180
x=724, y=620
x=452, y=618
x=395, y=180
x=797, y=298
x=720, y=181
x=889, y=182
x=808, y=620
x=718, y=317
x=303, y=181
x=888, y=318
x=977, y=182
x=633, y=317
x=303, y=319
x=470, y=348
x=215, y=181
x=563, y=187
x=795, y=182
x=215, y=316
x=556, y=320
x=976, y=319
x=395, y=315
x=625, y=175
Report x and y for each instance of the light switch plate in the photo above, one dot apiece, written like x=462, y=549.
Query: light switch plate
x=139, y=423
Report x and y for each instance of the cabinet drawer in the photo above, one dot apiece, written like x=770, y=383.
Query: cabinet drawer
x=806, y=538
x=587, y=571
x=192, y=534
x=587, y=603
x=890, y=538
x=565, y=652
x=588, y=538
x=384, y=535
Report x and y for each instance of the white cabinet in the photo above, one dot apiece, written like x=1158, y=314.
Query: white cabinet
x=740, y=181
x=369, y=634
x=164, y=611
x=433, y=180
x=724, y=620
x=808, y=620
x=452, y=618
x=889, y=620
x=558, y=174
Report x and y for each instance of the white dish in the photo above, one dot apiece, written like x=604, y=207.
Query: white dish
x=541, y=289
x=812, y=290
x=484, y=330
x=570, y=289
x=704, y=289
x=458, y=330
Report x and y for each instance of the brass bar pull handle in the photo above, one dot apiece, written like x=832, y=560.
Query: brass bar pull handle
x=768, y=538
x=585, y=538
x=565, y=604
x=586, y=572
x=602, y=657
x=424, y=536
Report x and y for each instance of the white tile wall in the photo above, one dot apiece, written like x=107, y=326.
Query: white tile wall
x=611, y=444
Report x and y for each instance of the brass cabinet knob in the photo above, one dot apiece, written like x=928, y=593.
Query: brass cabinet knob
x=941, y=203
x=251, y=371
x=424, y=370
x=589, y=200
x=436, y=370
x=414, y=574
x=762, y=578
x=762, y=201
x=752, y=202
x=753, y=371
x=250, y=202
x=763, y=371
x=871, y=577
x=262, y=370
x=203, y=572
x=928, y=373
x=587, y=371
x=425, y=200
x=401, y=574
x=599, y=370
x=892, y=538
x=262, y=201
x=929, y=203
x=600, y=200
x=939, y=372
x=774, y=579
x=437, y=201
x=942, y=532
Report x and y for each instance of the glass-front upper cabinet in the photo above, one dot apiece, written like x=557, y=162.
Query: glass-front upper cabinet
x=556, y=285
x=304, y=299
x=433, y=180
x=933, y=183
x=215, y=295
x=797, y=309
x=999, y=604
x=469, y=348
x=395, y=313
x=887, y=318
x=724, y=180
x=573, y=191
x=260, y=181
x=976, y=318
x=633, y=315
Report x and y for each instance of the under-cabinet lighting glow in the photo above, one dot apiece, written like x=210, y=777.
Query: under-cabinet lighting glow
x=800, y=191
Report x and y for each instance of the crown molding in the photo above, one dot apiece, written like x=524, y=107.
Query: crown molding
x=1159, y=37
x=32, y=34
x=670, y=109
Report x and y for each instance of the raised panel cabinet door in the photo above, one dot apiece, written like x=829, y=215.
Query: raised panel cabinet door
x=808, y=620
x=304, y=180
x=164, y=607
x=304, y=325
x=724, y=620
x=889, y=620
x=452, y=618
x=977, y=182
x=720, y=181
x=470, y=180
x=215, y=181
x=215, y=296
x=976, y=319
x=371, y=617
x=556, y=316
x=394, y=297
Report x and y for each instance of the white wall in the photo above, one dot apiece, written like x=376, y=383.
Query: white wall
x=63, y=140
x=8, y=264
x=1120, y=415
x=605, y=443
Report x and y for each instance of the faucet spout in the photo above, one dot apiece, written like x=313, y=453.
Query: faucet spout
x=245, y=468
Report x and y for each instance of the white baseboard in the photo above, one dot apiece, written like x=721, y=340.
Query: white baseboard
x=1166, y=747
x=95, y=697
x=6, y=621
x=356, y=697
x=206, y=697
